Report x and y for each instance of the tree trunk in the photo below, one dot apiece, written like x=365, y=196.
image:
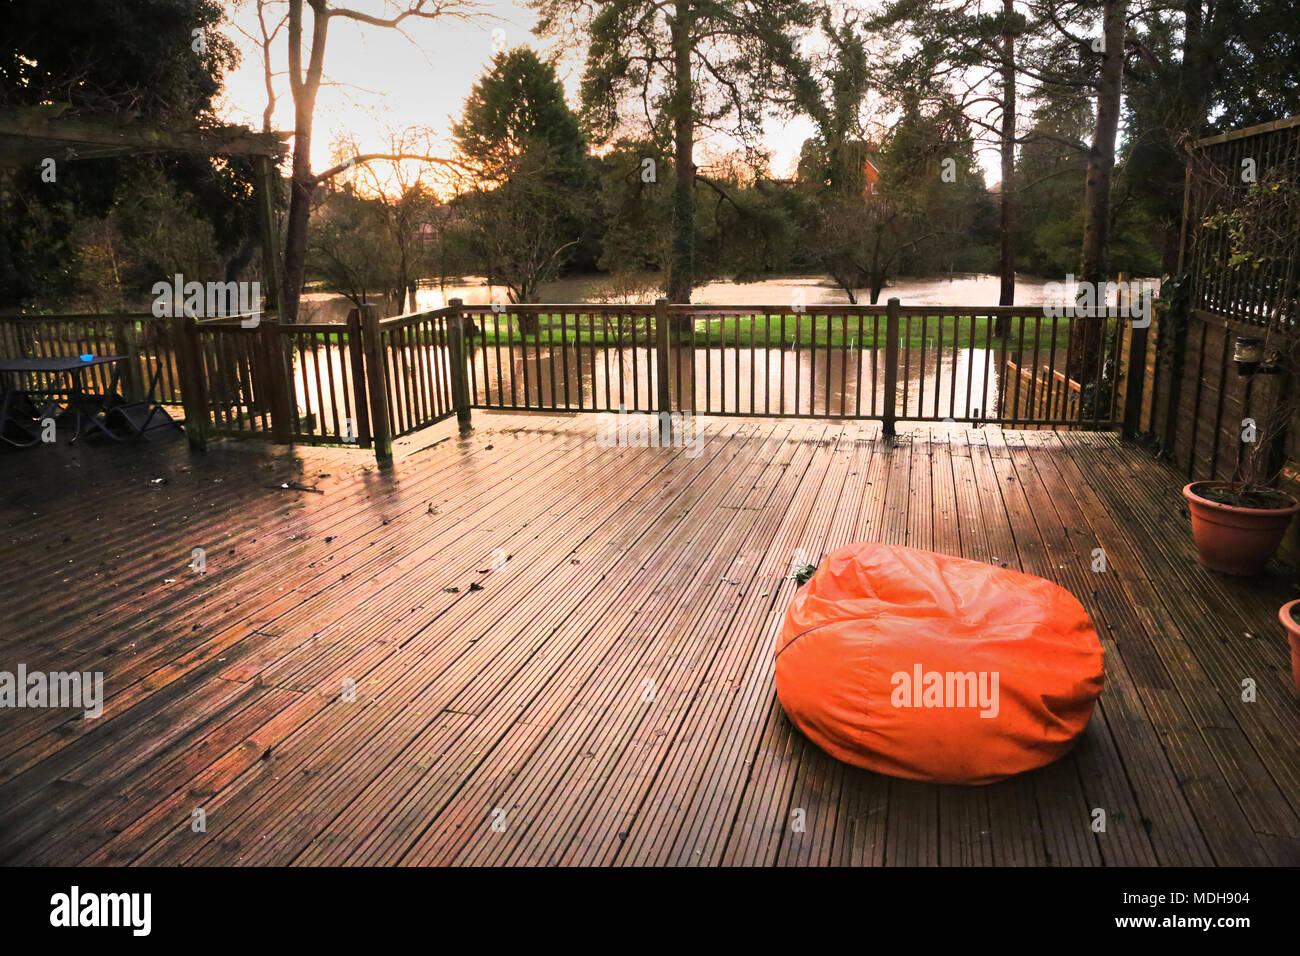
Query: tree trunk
x=1007, y=199
x=302, y=184
x=1193, y=83
x=301, y=187
x=1101, y=156
x=681, y=273
x=1096, y=197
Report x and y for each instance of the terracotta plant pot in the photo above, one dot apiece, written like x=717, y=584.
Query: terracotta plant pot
x=1235, y=540
x=1293, y=632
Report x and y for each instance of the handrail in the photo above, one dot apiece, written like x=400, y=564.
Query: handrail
x=75, y=316
x=392, y=320
x=820, y=309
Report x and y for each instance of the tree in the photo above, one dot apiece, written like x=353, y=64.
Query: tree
x=1195, y=69
x=351, y=246
x=153, y=63
x=514, y=231
x=927, y=191
x=1050, y=171
x=531, y=181
x=518, y=107
x=635, y=211
x=405, y=204
x=680, y=66
x=1070, y=24
x=965, y=50
x=304, y=86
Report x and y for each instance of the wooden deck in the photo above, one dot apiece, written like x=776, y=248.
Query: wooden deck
x=562, y=653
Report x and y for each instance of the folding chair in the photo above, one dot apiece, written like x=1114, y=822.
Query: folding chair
x=19, y=420
x=129, y=421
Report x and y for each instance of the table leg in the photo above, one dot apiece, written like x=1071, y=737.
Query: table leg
x=75, y=397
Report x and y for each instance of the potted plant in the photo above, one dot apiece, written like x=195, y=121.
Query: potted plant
x=1292, y=624
x=1238, y=524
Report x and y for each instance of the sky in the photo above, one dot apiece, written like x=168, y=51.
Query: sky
x=382, y=80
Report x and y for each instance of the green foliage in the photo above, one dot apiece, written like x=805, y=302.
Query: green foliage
x=919, y=214
x=635, y=207
x=350, y=246
x=134, y=59
x=529, y=210
x=517, y=108
x=674, y=69
x=129, y=62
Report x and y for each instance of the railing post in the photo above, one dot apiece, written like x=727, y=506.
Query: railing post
x=456, y=359
x=283, y=409
x=1135, y=380
x=664, y=398
x=125, y=342
x=891, y=367
x=189, y=369
x=376, y=383
x=357, y=362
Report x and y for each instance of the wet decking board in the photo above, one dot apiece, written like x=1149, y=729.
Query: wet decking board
x=526, y=702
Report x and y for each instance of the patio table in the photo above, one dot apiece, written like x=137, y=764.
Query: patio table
x=79, y=400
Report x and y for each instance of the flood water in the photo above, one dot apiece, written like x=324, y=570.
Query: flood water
x=958, y=290
x=933, y=382
x=939, y=379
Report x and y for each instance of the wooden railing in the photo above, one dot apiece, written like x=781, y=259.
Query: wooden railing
x=418, y=369
x=893, y=363
x=370, y=380
x=138, y=336
x=309, y=372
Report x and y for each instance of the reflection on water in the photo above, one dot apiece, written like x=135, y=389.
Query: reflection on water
x=958, y=290
x=961, y=383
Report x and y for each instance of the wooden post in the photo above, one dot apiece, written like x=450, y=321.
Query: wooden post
x=357, y=361
x=664, y=400
x=1135, y=380
x=891, y=367
x=376, y=383
x=1003, y=330
x=1178, y=348
x=459, y=373
x=283, y=408
x=125, y=342
x=266, y=180
x=189, y=369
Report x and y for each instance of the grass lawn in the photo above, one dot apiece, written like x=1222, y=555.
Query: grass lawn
x=767, y=331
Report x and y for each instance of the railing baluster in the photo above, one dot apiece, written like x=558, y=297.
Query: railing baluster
x=1051, y=373
x=970, y=369
x=1020, y=368
x=782, y=354
x=988, y=351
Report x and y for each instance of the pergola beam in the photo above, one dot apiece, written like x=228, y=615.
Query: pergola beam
x=22, y=132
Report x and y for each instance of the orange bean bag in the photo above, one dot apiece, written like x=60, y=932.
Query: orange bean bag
x=930, y=667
